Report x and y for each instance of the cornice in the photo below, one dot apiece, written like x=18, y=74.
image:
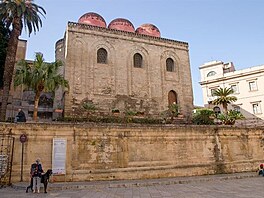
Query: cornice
x=229, y=77
x=124, y=33
x=210, y=65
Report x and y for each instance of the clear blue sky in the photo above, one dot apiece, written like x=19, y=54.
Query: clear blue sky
x=226, y=30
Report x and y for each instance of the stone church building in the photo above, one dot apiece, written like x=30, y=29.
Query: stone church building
x=120, y=67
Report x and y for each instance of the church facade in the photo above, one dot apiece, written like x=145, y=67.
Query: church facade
x=120, y=67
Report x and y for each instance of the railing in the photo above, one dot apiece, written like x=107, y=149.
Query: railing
x=6, y=159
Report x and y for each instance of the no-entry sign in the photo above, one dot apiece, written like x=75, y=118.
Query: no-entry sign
x=23, y=138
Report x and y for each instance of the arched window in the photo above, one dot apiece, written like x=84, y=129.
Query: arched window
x=172, y=97
x=169, y=65
x=138, y=60
x=211, y=73
x=102, y=56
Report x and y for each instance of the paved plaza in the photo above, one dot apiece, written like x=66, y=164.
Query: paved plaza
x=220, y=186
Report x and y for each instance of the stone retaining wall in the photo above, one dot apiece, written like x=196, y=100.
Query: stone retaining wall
x=109, y=152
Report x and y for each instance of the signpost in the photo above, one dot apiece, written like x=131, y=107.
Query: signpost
x=23, y=139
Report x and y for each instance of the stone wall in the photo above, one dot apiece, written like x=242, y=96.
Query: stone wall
x=108, y=152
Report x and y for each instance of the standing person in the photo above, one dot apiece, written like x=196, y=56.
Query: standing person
x=36, y=172
x=21, y=117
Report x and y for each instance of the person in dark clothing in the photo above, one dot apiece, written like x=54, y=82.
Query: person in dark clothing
x=21, y=117
x=261, y=170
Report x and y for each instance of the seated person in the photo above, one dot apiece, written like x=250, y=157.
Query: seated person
x=21, y=117
x=260, y=169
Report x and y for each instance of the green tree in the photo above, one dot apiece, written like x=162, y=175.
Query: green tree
x=16, y=14
x=224, y=97
x=203, y=117
x=38, y=77
x=4, y=37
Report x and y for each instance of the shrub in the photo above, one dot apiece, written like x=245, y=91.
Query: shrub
x=174, y=110
x=203, y=117
x=131, y=113
x=115, y=110
x=230, y=117
x=112, y=119
x=89, y=106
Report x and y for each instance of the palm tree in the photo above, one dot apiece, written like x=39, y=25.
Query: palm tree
x=224, y=97
x=38, y=77
x=16, y=14
x=4, y=37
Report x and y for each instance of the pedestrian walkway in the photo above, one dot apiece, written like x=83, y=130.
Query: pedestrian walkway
x=238, y=185
x=139, y=183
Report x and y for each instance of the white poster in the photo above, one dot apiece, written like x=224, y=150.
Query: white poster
x=59, y=156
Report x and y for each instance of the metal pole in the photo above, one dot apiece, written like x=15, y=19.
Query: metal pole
x=12, y=154
x=22, y=159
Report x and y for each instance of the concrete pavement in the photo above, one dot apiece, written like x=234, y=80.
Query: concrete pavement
x=227, y=185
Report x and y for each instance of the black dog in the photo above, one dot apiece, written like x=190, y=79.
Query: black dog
x=44, y=179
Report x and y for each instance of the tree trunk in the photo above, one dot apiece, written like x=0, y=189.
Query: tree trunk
x=36, y=102
x=225, y=108
x=10, y=65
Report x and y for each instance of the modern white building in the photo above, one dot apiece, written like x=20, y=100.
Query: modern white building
x=248, y=86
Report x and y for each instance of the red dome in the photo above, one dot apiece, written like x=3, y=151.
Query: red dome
x=121, y=24
x=92, y=18
x=148, y=29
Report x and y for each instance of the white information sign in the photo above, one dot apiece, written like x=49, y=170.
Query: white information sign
x=59, y=156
